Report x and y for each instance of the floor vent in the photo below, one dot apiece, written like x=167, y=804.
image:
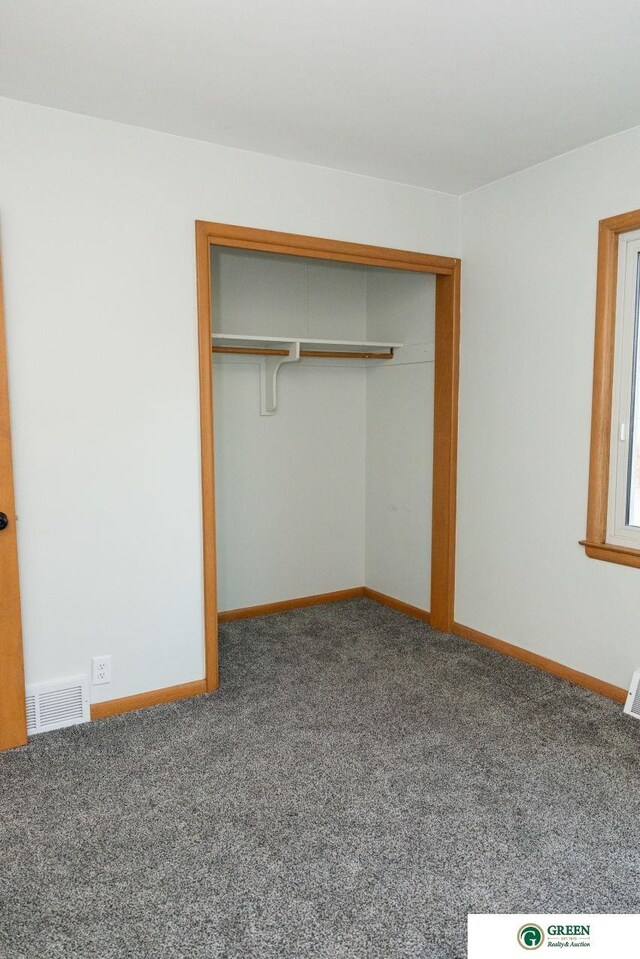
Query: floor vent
x=58, y=704
x=632, y=705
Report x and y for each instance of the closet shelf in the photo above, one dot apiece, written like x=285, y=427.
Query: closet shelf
x=276, y=350
x=308, y=346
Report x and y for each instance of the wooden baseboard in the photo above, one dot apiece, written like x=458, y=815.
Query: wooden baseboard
x=248, y=612
x=152, y=698
x=396, y=604
x=267, y=609
x=168, y=694
x=541, y=662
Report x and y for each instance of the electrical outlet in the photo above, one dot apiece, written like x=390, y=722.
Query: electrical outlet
x=100, y=670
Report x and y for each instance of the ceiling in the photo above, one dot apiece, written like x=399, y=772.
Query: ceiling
x=446, y=94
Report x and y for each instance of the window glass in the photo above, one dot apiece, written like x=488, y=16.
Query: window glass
x=633, y=466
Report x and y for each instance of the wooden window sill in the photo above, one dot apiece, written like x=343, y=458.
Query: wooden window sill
x=623, y=555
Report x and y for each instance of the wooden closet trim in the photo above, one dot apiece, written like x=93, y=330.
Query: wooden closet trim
x=294, y=244
x=447, y=272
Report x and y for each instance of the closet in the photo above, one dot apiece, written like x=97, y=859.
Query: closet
x=324, y=463
x=328, y=376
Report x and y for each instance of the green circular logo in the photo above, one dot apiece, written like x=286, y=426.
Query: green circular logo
x=530, y=936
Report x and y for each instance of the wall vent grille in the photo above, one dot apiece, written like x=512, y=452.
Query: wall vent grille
x=58, y=704
x=632, y=705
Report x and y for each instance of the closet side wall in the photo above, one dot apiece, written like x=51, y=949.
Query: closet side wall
x=289, y=487
x=399, y=455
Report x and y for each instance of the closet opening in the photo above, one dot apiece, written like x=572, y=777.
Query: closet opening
x=328, y=382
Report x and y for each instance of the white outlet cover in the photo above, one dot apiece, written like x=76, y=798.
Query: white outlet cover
x=100, y=670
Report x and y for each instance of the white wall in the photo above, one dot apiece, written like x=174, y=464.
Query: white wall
x=289, y=487
x=529, y=274
x=97, y=224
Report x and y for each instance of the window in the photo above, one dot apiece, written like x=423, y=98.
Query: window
x=623, y=519
x=613, y=519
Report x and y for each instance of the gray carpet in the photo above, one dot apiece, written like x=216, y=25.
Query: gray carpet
x=360, y=783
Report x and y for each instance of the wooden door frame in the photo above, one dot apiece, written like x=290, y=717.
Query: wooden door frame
x=445, y=434
x=13, y=714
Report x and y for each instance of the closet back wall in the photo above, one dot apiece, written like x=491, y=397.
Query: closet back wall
x=289, y=487
x=97, y=223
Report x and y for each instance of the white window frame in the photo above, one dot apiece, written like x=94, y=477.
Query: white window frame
x=619, y=533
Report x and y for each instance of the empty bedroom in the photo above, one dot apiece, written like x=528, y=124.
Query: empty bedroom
x=319, y=479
